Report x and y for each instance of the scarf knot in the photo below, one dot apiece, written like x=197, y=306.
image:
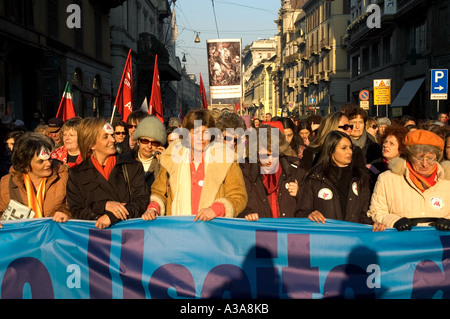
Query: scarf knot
x=423, y=183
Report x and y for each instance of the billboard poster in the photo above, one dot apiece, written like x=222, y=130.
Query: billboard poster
x=224, y=66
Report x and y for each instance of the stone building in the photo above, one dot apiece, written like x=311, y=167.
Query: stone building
x=412, y=38
x=43, y=45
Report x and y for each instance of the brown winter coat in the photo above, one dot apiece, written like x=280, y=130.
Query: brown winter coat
x=55, y=190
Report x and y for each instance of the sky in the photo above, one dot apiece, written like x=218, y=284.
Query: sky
x=248, y=20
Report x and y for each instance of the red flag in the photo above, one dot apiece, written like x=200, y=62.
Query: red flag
x=237, y=107
x=203, y=93
x=124, y=98
x=181, y=116
x=155, y=105
x=66, y=110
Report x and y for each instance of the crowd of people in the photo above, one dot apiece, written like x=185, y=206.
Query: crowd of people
x=387, y=173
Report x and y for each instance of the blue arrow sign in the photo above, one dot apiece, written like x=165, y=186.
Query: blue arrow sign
x=439, y=83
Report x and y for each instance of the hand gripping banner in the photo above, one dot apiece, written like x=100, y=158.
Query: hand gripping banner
x=175, y=257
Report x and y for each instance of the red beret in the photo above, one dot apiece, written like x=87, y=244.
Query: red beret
x=424, y=137
x=276, y=124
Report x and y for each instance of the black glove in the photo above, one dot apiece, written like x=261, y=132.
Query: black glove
x=404, y=224
x=443, y=224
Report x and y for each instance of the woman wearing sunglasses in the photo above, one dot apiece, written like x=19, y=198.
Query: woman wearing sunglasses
x=120, y=131
x=150, y=136
x=337, y=121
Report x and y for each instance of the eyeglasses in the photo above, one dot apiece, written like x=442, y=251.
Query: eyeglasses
x=120, y=133
x=130, y=126
x=346, y=127
x=421, y=160
x=146, y=142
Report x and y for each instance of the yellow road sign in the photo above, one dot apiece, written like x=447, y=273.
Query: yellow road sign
x=382, y=92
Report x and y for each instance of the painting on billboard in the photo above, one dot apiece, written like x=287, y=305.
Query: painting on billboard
x=224, y=61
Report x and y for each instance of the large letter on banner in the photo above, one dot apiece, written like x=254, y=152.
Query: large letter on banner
x=177, y=258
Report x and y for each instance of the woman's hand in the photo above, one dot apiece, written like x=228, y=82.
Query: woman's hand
x=378, y=227
x=293, y=188
x=205, y=214
x=60, y=217
x=317, y=217
x=103, y=222
x=150, y=214
x=118, y=209
x=253, y=217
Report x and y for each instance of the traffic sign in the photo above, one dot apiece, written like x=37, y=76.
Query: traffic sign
x=364, y=95
x=439, y=84
x=382, y=92
x=312, y=100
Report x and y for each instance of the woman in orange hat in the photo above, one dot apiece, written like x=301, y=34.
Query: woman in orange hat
x=414, y=190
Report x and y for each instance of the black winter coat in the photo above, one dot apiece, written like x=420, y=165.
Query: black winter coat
x=88, y=191
x=257, y=195
x=319, y=193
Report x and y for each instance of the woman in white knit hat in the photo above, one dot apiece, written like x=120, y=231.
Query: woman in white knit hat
x=150, y=137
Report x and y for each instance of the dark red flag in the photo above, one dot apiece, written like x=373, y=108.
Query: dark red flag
x=155, y=105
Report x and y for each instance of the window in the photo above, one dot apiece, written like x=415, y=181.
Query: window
x=356, y=66
x=443, y=27
x=365, y=60
x=387, y=55
x=417, y=38
x=21, y=11
x=52, y=22
x=98, y=36
x=375, y=55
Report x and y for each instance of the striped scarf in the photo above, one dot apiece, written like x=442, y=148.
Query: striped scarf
x=35, y=199
x=422, y=182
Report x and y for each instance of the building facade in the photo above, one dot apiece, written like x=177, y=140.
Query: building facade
x=43, y=45
x=413, y=37
x=259, y=85
x=323, y=72
x=145, y=27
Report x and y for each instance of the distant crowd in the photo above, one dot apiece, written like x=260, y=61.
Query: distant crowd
x=387, y=173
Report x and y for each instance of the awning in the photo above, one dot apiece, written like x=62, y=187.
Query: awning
x=407, y=92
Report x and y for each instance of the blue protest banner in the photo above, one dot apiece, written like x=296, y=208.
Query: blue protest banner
x=175, y=257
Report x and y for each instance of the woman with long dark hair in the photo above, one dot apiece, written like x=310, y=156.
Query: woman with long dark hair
x=335, y=188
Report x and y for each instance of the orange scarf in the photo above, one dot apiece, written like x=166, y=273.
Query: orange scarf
x=105, y=171
x=35, y=199
x=422, y=182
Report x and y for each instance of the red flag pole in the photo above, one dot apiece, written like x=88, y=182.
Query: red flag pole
x=119, y=103
x=155, y=105
x=203, y=93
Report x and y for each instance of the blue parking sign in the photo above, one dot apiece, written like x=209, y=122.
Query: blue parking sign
x=439, y=84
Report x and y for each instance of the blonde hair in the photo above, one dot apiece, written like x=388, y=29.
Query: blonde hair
x=88, y=131
x=328, y=124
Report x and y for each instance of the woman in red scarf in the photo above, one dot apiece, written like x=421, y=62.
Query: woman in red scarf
x=105, y=187
x=272, y=175
x=416, y=187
